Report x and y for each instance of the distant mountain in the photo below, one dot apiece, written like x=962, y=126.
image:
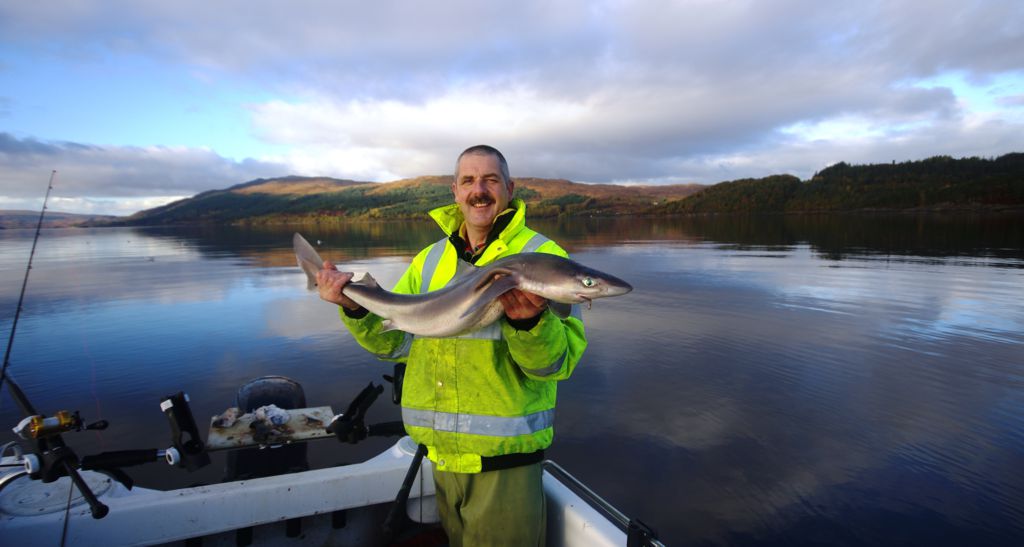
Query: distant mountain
x=938, y=183
x=52, y=219
x=289, y=199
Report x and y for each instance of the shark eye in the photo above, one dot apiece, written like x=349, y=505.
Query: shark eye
x=588, y=282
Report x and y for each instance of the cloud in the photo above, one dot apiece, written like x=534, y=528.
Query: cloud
x=1016, y=101
x=668, y=90
x=107, y=178
x=661, y=91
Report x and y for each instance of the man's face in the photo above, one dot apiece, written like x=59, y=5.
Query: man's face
x=480, y=190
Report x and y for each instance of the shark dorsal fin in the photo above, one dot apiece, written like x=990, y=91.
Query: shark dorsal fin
x=364, y=279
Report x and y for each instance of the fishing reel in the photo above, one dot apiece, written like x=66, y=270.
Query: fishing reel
x=50, y=458
x=38, y=427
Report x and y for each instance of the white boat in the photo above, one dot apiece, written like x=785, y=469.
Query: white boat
x=344, y=505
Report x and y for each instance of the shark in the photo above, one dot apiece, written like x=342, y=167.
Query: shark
x=470, y=302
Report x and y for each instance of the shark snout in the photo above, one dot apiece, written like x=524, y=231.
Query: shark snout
x=617, y=287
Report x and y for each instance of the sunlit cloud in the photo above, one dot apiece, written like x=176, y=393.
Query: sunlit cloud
x=163, y=100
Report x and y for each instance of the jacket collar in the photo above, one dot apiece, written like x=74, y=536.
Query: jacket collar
x=449, y=218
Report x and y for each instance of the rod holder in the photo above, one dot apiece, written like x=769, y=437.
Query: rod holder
x=184, y=432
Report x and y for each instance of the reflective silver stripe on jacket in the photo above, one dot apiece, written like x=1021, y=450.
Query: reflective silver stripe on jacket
x=401, y=351
x=433, y=259
x=534, y=243
x=548, y=370
x=430, y=264
x=490, y=332
x=477, y=424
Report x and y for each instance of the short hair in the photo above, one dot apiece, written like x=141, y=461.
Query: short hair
x=485, y=150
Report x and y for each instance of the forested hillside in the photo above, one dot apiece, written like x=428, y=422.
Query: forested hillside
x=937, y=183
x=15, y=219
x=940, y=182
x=293, y=199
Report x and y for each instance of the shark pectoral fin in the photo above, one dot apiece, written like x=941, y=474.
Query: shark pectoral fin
x=388, y=325
x=560, y=309
x=499, y=285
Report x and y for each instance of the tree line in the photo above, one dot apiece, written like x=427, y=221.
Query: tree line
x=939, y=182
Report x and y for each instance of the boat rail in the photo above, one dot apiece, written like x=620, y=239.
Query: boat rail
x=637, y=533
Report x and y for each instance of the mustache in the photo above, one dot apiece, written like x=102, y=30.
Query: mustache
x=480, y=199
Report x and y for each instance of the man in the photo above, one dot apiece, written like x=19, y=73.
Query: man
x=483, y=403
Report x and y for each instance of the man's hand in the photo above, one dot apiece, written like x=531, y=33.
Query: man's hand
x=330, y=282
x=522, y=305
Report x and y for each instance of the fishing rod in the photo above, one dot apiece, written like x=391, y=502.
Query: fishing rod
x=19, y=396
x=51, y=458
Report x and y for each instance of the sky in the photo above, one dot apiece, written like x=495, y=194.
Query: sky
x=137, y=103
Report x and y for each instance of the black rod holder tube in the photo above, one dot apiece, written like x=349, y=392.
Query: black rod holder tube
x=184, y=432
x=96, y=507
x=403, y=494
x=120, y=458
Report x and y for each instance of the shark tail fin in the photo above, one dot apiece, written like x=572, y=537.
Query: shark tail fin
x=307, y=259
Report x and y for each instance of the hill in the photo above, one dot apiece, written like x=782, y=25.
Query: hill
x=937, y=183
x=14, y=219
x=295, y=199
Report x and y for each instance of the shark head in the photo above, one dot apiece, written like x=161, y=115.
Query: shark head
x=586, y=284
x=566, y=281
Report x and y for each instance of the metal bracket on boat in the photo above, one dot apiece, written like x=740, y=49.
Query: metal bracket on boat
x=350, y=426
x=185, y=440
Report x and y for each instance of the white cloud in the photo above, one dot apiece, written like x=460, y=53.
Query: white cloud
x=112, y=179
x=592, y=91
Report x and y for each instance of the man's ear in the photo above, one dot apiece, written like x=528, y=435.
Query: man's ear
x=511, y=187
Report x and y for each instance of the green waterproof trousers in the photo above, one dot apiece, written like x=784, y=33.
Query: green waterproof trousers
x=493, y=508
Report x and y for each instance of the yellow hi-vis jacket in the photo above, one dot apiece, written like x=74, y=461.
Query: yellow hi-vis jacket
x=487, y=393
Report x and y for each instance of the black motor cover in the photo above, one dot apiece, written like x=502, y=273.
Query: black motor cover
x=251, y=463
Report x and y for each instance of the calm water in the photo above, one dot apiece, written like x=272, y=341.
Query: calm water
x=798, y=381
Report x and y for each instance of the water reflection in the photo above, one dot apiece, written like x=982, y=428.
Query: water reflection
x=771, y=380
